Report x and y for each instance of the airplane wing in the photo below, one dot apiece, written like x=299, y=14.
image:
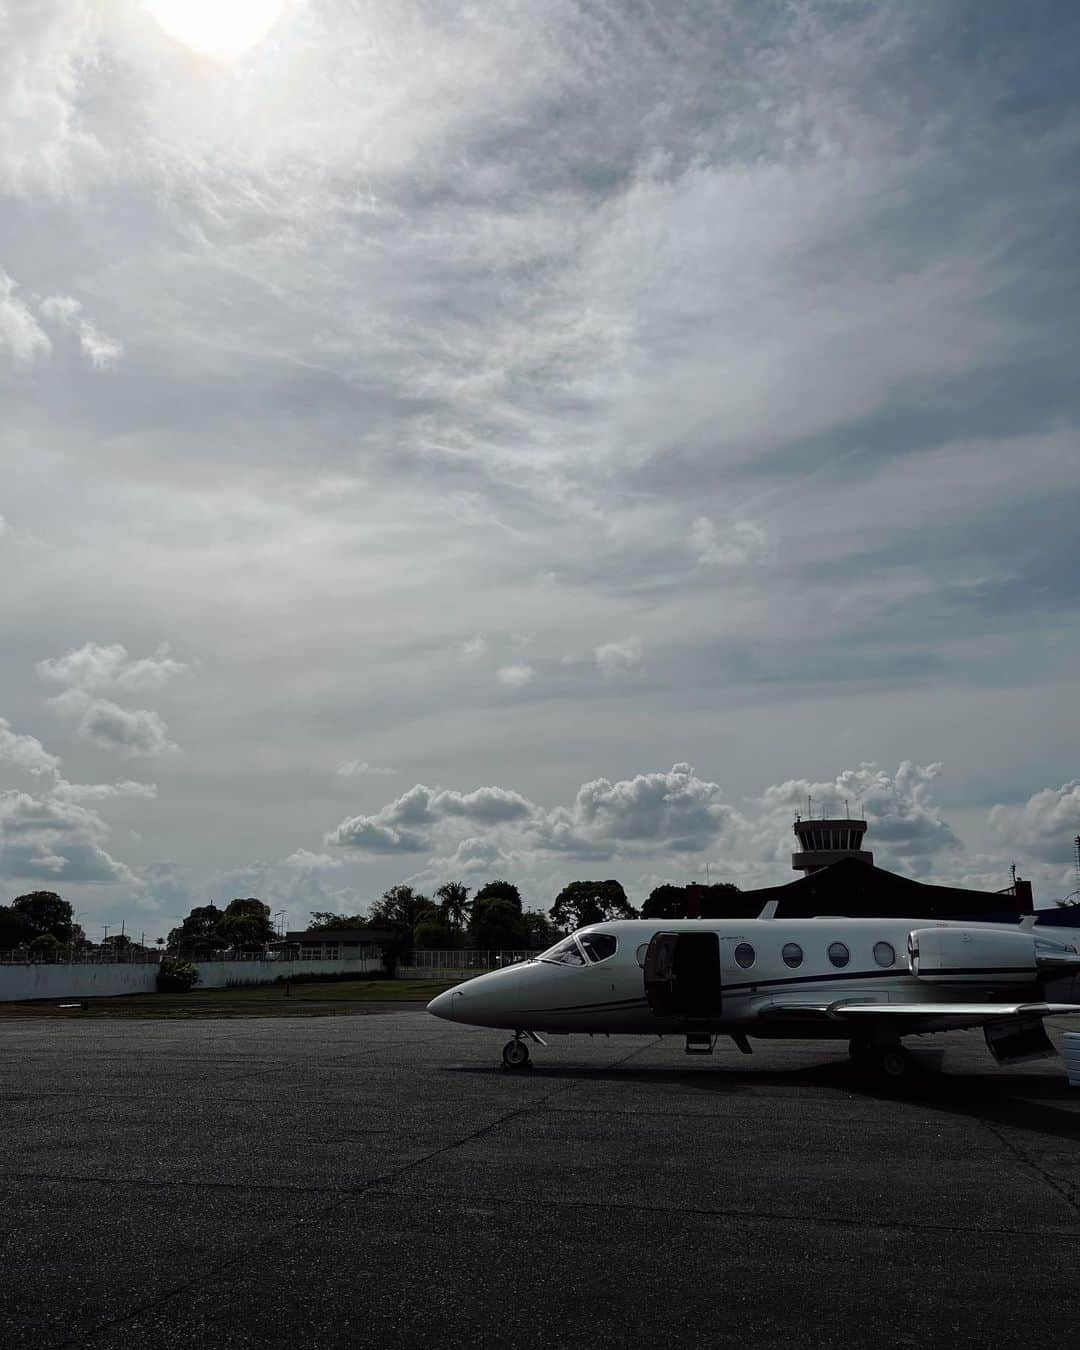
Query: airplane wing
x=970, y=1012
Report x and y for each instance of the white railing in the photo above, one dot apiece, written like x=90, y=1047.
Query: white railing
x=96, y=957
x=462, y=958
x=420, y=960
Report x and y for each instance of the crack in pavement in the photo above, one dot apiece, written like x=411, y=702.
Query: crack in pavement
x=768, y=1216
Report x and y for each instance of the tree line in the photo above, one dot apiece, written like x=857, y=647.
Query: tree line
x=492, y=918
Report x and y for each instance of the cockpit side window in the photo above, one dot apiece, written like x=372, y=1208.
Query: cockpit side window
x=564, y=953
x=599, y=946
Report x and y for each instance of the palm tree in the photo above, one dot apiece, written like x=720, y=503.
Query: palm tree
x=453, y=900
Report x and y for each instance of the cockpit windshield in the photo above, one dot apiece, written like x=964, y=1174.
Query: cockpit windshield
x=564, y=953
x=572, y=951
x=599, y=946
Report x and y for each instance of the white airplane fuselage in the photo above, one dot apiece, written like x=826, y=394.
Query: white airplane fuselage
x=766, y=967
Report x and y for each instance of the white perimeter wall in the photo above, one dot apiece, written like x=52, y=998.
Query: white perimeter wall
x=94, y=981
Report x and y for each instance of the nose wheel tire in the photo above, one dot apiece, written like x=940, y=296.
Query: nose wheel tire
x=515, y=1055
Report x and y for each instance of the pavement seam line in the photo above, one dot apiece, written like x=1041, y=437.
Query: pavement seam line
x=1062, y=1189
x=891, y=1225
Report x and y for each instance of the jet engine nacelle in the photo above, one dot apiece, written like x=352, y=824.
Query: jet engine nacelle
x=950, y=954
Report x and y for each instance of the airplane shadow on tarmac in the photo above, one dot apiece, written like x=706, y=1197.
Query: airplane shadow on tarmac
x=1024, y=1101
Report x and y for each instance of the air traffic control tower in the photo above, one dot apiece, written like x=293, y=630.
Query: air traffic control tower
x=824, y=842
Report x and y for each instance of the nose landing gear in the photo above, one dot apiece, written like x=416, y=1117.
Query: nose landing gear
x=515, y=1054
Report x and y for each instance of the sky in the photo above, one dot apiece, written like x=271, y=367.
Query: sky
x=537, y=439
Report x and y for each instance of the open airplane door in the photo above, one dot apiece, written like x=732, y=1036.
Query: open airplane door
x=682, y=975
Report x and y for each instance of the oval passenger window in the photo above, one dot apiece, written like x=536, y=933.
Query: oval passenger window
x=839, y=954
x=792, y=955
x=744, y=955
x=884, y=954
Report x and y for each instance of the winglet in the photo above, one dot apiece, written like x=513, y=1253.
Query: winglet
x=1027, y=923
x=769, y=909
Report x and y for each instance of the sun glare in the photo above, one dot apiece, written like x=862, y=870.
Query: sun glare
x=221, y=28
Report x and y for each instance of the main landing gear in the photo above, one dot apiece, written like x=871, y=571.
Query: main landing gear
x=888, y=1060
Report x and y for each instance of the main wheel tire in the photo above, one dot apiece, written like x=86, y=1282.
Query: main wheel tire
x=515, y=1054
x=894, y=1063
x=861, y=1050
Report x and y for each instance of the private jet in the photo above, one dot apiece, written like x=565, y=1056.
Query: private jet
x=871, y=982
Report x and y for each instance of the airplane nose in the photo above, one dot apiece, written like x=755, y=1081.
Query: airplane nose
x=489, y=1000
x=442, y=1005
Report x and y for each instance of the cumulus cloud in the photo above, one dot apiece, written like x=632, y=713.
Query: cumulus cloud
x=618, y=658
x=304, y=860
x=353, y=768
x=296, y=888
x=22, y=338
x=515, y=676
x=97, y=665
x=54, y=841
x=1042, y=828
x=138, y=731
x=369, y=835
x=404, y=825
x=674, y=813
x=474, y=648
x=26, y=752
x=675, y=810
x=726, y=546
x=905, y=826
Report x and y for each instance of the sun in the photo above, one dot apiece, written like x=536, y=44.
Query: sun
x=222, y=28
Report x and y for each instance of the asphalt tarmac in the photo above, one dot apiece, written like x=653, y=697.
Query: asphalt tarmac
x=380, y=1181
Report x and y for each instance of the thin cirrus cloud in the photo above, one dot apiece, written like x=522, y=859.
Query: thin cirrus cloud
x=102, y=351
x=22, y=339
x=355, y=768
x=515, y=676
x=716, y=546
